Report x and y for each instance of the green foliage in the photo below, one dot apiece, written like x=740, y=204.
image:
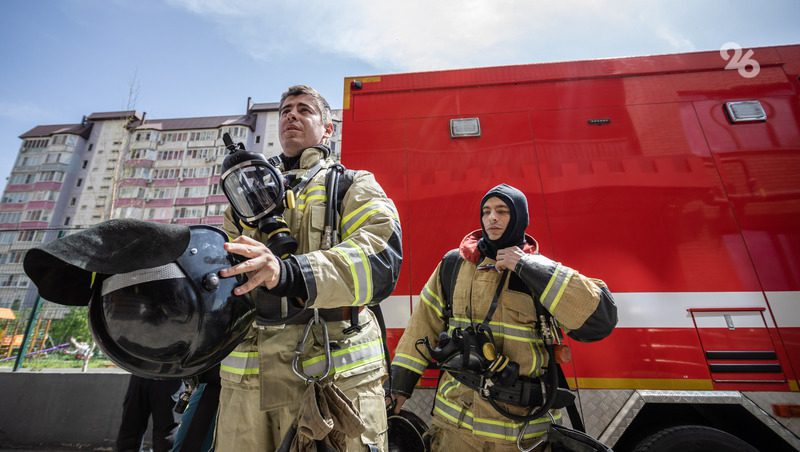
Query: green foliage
x=75, y=324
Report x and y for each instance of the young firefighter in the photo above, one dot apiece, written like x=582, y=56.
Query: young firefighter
x=493, y=349
x=263, y=380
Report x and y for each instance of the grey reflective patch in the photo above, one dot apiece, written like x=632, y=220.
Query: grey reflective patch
x=145, y=275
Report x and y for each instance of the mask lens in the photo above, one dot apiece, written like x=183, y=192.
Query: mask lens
x=252, y=190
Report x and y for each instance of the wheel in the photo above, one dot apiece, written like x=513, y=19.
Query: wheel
x=693, y=438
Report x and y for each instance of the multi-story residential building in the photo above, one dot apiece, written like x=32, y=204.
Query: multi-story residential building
x=121, y=165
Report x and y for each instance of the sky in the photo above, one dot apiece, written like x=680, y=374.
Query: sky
x=63, y=59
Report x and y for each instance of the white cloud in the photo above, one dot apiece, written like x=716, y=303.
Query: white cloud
x=436, y=34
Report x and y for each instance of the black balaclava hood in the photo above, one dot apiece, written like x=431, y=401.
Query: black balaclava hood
x=514, y=235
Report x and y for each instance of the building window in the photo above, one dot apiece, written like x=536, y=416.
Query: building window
x=85, y=163
x=91, y=145
x=258, y=139
x=66, y=221
x=72, y=201
x=80, y=181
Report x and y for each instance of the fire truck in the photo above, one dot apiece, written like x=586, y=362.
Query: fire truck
x=674, y=178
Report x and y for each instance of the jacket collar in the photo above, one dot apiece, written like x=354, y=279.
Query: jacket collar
x=469, y=246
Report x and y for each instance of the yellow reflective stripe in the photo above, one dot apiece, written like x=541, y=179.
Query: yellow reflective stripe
x=355, y=212
x=352, y=268
x=360, y=221
x=313, y=189
x=490, y=428
x=409, y=362
x=534, y=359
x=238, y=371
x=236, y=354
x=561, y=291
x=360, y=270
x=425, y=300
x=508, y=331
x=367, y=271
x=433, y=294
x=348, y=358
x=406, y=366
x=310, y=194
x=241, y=363
x=415, y=359
x=357, y=217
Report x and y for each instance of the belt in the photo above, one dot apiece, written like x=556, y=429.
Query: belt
x=329, y=315
x=525, y=392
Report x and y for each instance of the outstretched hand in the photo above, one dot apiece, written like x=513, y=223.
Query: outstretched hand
x=261, y=266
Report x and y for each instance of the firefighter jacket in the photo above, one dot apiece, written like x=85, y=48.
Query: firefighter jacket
x=582, y=306
x=361, y=270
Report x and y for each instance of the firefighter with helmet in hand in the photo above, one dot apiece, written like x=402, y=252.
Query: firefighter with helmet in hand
x=314, y=336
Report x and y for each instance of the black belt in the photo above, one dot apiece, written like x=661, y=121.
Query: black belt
x=525, y=392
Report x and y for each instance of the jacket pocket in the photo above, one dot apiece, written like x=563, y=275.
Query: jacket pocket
x=518, y=309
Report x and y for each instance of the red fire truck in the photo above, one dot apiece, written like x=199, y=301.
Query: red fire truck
x=674, y=178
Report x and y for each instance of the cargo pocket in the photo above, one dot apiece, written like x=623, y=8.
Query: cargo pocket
x=316, y=225
x=518, y=308
x=372, y=409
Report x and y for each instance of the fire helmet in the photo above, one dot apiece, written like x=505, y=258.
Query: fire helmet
x=406, y=432
x=157, y=305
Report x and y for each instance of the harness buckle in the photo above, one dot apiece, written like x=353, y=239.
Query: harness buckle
x=485, y=387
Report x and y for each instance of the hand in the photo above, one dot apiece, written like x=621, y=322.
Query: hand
x=398, y=399
x=507, y=258
x=261, y=266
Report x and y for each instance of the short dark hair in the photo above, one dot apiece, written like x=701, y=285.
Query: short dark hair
x=322, y=104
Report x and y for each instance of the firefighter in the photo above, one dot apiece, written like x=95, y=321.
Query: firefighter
x=334, y=338
x=489, y=337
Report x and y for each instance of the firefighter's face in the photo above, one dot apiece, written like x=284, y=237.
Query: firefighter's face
x=301, y=125
x=496, y=216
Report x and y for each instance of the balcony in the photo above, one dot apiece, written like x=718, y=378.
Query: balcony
x=12, y=206
x=198, y=201
x=41, y=205
x=51, y=185
x=140, y=163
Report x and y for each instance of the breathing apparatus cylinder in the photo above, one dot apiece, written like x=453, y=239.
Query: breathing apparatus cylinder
x=257, y=193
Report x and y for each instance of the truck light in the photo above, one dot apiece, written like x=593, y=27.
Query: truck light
x=465, y=127
x=786, y=410
x=745, y=111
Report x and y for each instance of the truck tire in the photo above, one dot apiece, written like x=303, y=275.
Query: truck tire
x=693, y=438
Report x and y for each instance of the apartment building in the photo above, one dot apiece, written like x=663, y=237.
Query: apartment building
x=121, y=165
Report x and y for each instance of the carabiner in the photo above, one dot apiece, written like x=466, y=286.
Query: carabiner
x=301, y=347
x=536, y=443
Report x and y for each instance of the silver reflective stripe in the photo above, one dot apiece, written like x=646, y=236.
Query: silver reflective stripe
x=430, y=298
x=489, y=428
x=346, y=359
x=360, y=270
x=414, y=364
x=555, y=288
x=122, y=280
x=240, y=363
x=359, y=216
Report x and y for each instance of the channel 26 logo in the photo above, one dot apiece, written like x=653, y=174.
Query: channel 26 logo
x=739, y=62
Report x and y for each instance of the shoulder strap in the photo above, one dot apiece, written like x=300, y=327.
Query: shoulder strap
x=345, y=181
x=448, y=273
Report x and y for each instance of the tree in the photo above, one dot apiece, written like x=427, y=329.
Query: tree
x=75, y=324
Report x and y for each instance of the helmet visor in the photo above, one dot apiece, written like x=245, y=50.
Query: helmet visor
x=254, y=189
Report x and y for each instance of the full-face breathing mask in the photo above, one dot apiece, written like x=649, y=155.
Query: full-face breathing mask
x=258, y=194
